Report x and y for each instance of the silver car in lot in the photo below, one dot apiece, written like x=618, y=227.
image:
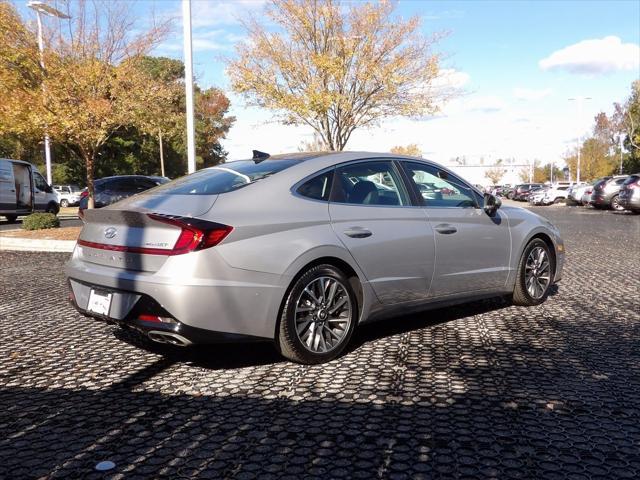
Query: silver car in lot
x=300, y=249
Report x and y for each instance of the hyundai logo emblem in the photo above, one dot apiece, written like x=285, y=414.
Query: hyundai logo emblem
x=110, y=232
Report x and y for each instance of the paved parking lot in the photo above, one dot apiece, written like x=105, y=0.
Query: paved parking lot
x=481, y=391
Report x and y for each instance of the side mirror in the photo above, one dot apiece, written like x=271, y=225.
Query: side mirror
x=491, y=204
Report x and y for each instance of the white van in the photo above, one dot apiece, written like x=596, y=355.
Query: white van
x=23, y=190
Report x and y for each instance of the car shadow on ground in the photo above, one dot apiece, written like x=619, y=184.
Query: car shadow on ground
x=251, y=354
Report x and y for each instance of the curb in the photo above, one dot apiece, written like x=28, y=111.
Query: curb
x=36, y=245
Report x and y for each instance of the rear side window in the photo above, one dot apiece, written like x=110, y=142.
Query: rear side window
x=318, y=188
x=620, y=181
x=224, y=178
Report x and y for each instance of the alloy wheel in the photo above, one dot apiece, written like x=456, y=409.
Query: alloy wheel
x=323, y=314
x=537, y=274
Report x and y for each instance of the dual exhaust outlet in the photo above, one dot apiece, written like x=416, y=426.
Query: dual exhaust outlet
x=169, y=338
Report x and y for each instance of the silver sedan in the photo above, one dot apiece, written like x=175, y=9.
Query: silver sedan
x=301, y=249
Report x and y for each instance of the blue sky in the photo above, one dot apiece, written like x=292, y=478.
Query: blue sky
x=518, y=63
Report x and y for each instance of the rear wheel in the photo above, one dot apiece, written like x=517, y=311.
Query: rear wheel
x=319, y=316
x=535, y=274
x=11, y=218
x=64, y=203
x=615, y=204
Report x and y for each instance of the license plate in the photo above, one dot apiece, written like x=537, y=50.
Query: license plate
x=99, y=302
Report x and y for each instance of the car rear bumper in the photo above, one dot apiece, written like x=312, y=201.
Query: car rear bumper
x=232, y=302
x=172, y=332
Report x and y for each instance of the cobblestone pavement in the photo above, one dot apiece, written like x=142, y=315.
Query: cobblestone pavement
x=481, y=391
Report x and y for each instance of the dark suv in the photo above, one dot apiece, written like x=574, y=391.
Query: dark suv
x=109, y=190
x=629, y=196
x=605, y=192
x=523, y=190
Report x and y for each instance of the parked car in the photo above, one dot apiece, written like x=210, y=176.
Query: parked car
x=629, y=196
x=536, y=196
x=289, y=249
x=605, y=192
x=575, y=193
x=23, y=190
x=522, y=191
x=68, y=195
x=556, y=193
x=109, y=190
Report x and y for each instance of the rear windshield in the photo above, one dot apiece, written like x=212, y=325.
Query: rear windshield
x=224, y=178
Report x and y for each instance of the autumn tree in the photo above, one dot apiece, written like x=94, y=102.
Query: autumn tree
x=411, y=150
x=336, y=67
x=316, y=144
x=495, y=173
x=92, y=85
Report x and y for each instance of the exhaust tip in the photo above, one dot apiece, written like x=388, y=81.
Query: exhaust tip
x=169, y=338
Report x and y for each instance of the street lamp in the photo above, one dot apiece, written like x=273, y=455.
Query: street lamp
x=579, y=100
x=43, y=8
x=188, y=85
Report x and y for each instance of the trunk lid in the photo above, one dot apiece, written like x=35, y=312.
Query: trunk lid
x=131, y=234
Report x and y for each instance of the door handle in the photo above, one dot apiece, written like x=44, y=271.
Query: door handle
x=358, y=232
x=445, y=229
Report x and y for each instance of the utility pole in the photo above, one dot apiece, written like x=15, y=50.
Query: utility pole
x=621, y=143
x=188, y=85
x=161, y=153
x=40, y=8
x=579, y=100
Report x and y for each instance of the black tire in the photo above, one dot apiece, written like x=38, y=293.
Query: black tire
x=288, y=339
x=615, y=204
x=53, y=207
x=64, y=203
x=11, y=218
x=521, y=295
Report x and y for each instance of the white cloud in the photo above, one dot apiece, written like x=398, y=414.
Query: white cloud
x=451, y=78
x=209, y=14
x=485, y=104
x=530, y=94
x=595, y=56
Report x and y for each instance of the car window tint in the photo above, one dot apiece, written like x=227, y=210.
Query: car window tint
x=631, y=179
x=224, y=177
x=620, y=181
x=122, y=185
x=439, y=188
x=318, y=188
x=369, y=183
x=145, y=184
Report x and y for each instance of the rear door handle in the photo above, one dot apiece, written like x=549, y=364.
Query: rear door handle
x=445, y=229
x=358, y=232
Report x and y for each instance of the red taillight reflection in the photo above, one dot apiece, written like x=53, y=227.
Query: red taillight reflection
x=195, y=235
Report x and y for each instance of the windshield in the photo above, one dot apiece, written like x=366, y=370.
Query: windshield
x=223, y=178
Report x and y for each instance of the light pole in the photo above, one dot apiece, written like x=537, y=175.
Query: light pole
x=43, y=8
x=621, y=140
x=188, y=85
x=579, y=100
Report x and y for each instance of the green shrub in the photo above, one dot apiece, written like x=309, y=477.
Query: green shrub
x=38, y=221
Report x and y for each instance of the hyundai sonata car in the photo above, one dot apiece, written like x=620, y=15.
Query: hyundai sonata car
x=302, y=249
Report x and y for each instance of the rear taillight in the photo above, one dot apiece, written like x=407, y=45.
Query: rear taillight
x=195, y=235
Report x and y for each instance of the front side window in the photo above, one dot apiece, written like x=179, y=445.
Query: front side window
x=318, y=188
x=369, y=183
x=439, y=188
x=39, y=181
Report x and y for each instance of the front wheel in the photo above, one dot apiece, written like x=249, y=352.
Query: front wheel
x=64, y=203
x=11, y=218
x=52, y=207
x=319, y=316
x=535, y=274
